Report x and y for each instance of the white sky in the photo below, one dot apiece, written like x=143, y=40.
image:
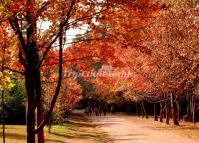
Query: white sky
x=70, y=34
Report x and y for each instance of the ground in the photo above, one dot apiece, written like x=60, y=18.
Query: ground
x=111, y=129
x=131, y=129
x=78, y=130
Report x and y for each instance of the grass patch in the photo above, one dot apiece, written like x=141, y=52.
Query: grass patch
x=17, y=133
x=78, y=130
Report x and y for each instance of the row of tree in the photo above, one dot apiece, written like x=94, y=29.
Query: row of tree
x=161, y=52
x=154, y=42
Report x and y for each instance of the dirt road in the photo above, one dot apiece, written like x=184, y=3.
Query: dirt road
x=122, y=130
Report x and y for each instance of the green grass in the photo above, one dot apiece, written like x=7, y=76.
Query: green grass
x=17, y=133
x=78, y=130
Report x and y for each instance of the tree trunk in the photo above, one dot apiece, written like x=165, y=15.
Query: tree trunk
x=193, y=117
x=2, y=98
x=49, y=125
x=3, y=116
x=174, y=115
x=188, y=104
x=174, y=111
x=155, y=112
x=137, y=109
x=30, y=127
x=32, y=77
x=40, y=109
x=193, y=109
x=33, y=87
x=141, y=109
x=161, y=111
x=144, y=109
x=30, y=115
x=29, y=58
x=178, y=109
x=167, y=113
x=59, y=82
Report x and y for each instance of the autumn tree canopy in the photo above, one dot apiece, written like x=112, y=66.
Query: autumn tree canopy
x=155, y=41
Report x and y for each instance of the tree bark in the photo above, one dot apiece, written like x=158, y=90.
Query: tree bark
x=3, y=117
x=174, y=111
x=137, y=109
x=193, y=109
x=193, y=120
x=33, y=80
x=30, y=115
x=2, y=96
x=188, y=104
x=30, y=126
x=167, y=113
x=174, y=114
x=40, y=109
x=141, y=109
x=33, y=88
x=155, y=112
x=49, y=125
x=178, y=109
x=161, y=111
x=144, y=109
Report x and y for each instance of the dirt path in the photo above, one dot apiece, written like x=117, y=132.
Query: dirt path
x=123, y=130
x=83, y=130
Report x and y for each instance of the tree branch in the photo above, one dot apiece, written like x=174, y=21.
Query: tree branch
x=61, y=27
x=43, y=7
x=48, y=115
x=13, y=70
x=15, y=26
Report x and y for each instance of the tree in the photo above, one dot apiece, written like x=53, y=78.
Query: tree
x=121, y=33
x=35, y=44
x=33, y=48
x=6, y=82
x=15, y=104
